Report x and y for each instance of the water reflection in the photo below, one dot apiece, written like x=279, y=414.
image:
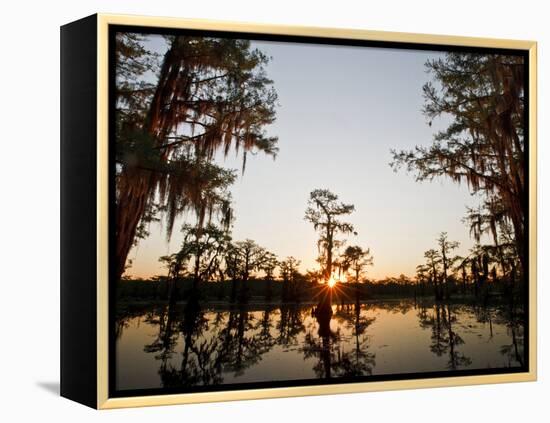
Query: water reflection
x=445, y=340
x=187, y=345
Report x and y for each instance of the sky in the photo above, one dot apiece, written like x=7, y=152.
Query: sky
x=341, y=109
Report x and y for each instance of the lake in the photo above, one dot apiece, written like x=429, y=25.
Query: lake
x=158, y=347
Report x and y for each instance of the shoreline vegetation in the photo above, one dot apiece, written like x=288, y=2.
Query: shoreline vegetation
x=270, y=293
x=259, y=302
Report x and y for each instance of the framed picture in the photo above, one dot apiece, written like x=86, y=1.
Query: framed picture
x=254, y=211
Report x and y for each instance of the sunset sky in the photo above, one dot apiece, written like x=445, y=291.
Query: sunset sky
x=341, y=111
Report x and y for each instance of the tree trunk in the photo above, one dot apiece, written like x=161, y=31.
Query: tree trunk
x=196, y=275
x=329, y=252
x=445, y=277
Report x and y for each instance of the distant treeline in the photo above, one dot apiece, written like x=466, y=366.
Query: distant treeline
x=275, y=291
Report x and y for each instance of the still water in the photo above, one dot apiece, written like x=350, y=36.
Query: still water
x=157, y=347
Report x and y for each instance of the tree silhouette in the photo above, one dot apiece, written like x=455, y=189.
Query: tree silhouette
x=269, y=265
x=483, y=94
x=177, y=268
x=248, y=257
x=422, y=277
x=324, y=212
x=289, y=270
x=204, y=246
x=233, y=264
x=433, y=261
x=446, y=247
x=490, y=218
x=479, y=265
x=462, y=267
x=356, y=259
x=211, y=94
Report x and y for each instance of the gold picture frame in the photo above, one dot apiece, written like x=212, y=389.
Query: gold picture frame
x=102, y=22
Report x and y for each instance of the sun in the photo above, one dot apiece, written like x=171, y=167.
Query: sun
x=331, y=282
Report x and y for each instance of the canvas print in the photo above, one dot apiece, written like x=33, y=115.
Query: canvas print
x=294, y=212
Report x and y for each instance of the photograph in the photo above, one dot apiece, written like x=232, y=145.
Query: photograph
x=296, y=211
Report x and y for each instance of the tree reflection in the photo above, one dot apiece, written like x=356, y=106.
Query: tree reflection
x=456, y=358
x=193, y=346
x=264, y=326
x=330, y=347
x=514, y=351
x=514, y=319
x=242, y=347
x=289, y=326
x=226, y=342
x=166, y=338
x=445, y=340
x=197, y=366
x=360, y=361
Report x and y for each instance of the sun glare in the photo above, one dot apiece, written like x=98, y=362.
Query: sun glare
x=331, y=282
